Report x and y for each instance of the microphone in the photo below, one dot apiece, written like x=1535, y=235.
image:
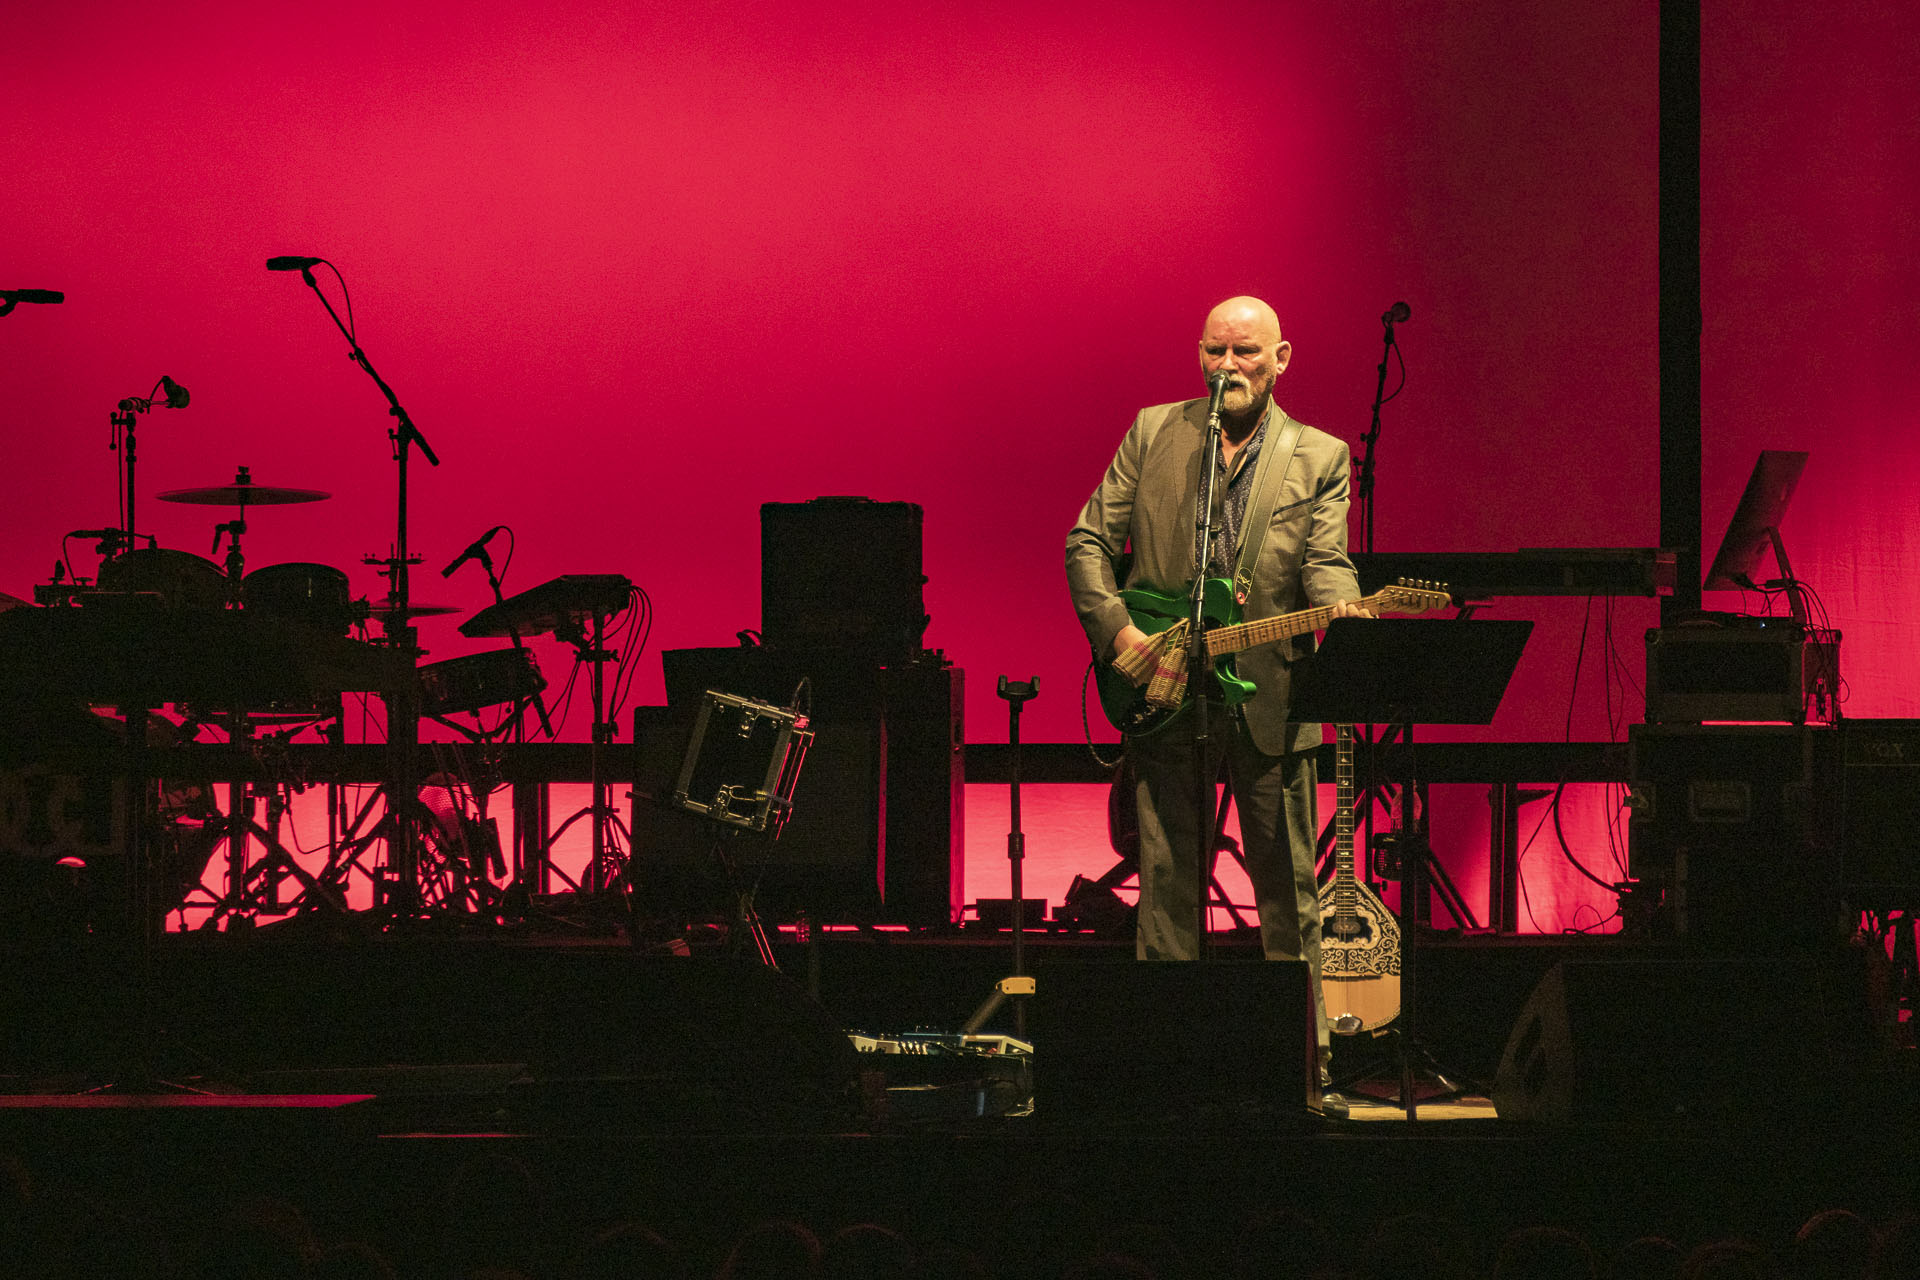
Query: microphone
x=98, y=535
x=478, y=548
x=32, y=295
x=1398, y=313
x=177, y=396
x=291, y=263
x=1219, y=380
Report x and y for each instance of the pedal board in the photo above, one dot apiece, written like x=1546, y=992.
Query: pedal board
x=934, y=1075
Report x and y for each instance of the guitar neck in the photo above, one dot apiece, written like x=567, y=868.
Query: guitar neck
x=1245, y=635
x=1343, y=816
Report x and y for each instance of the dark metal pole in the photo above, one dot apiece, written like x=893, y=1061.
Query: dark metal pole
x=1680, y=305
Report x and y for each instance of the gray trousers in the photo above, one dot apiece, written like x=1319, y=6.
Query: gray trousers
x=1279, y=827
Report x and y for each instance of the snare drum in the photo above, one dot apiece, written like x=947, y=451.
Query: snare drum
x=479, y=680
x=314, y=594
x=181, y=579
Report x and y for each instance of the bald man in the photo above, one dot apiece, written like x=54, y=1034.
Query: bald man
x=1146, y=505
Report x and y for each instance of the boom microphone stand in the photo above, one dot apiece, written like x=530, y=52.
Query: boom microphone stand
x=403, y=705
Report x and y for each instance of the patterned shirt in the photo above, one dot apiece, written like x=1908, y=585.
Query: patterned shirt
x=1235, y=479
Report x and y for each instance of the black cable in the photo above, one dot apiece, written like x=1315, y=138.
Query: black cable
x=1086, y=724
x=1401, y=362
x=346, y=296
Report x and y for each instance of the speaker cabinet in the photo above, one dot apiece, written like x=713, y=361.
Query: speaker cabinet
x=842, y=573
x=1156, y=1042
x=877, y=833
x=1880, y=844
x=1669, y=1041
x=1737, y=825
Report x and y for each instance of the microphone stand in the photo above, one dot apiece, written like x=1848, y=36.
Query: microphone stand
x=1199, y=670
x=403, y=705
x=123, y=418
x=527, y=872
x=1363, y=488
x=1363, y=466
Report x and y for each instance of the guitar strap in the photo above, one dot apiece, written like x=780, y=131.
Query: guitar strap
x=1267, y=483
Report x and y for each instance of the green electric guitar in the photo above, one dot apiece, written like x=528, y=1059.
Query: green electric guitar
x=1141, y=691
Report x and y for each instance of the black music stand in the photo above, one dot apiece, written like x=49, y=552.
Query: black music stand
x=1407, y=671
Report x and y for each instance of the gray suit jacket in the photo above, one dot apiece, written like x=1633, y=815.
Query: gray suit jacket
x=1147, y=500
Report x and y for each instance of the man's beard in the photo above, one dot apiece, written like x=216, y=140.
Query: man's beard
x=1240, y=399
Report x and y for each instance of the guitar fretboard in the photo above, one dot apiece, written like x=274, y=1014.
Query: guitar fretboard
x=1345, y=900
x=1222, y=641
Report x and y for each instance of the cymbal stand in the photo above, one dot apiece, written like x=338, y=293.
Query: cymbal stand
x=232, y=530
x=253, y=887
x=587, y=635
x=529, y=853
x=519, y=646
x=399, y=893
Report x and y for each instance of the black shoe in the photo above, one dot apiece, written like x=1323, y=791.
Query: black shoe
x=1334, y=1106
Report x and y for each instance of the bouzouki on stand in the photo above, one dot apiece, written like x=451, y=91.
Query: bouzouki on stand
x=1359, y=938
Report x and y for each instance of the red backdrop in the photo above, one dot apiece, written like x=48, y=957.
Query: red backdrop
x=636, y=272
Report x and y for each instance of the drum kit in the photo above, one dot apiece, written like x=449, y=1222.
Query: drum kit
x=296, y=609
x=239, y=648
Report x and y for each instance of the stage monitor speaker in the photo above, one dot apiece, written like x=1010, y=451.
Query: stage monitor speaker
x=1156, y=1043
x=1880, y=807
x=1663, y=1042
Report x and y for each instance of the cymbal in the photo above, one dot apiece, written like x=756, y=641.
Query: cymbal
x=414, y=611
x=242, y=490
x=252, y=495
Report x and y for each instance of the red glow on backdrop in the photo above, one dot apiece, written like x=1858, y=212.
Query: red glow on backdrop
x=636, y=270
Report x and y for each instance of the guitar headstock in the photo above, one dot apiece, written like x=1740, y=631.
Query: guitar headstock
x=1413, y=595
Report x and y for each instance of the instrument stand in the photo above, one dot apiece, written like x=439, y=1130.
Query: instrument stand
x=123, y=418
x=1399, y=671
x=1128, y=866
x=392, y=886
x=253, y=887
x=398, y=895
x=606, y=869
x=527, y=877
x=1388, y=851
x=745, y=920
x=1017, y=694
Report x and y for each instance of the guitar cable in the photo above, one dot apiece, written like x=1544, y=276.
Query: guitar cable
x=1086, y=724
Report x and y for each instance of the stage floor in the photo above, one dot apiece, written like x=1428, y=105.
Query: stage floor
x=361, y=1075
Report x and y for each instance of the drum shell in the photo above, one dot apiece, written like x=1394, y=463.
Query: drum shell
x=314, y=594
x=181, y=579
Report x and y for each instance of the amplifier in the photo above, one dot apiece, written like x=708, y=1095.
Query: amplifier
x=1755, y=669
x=1735, y=825
x=842, y=573
x=1880, y=833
